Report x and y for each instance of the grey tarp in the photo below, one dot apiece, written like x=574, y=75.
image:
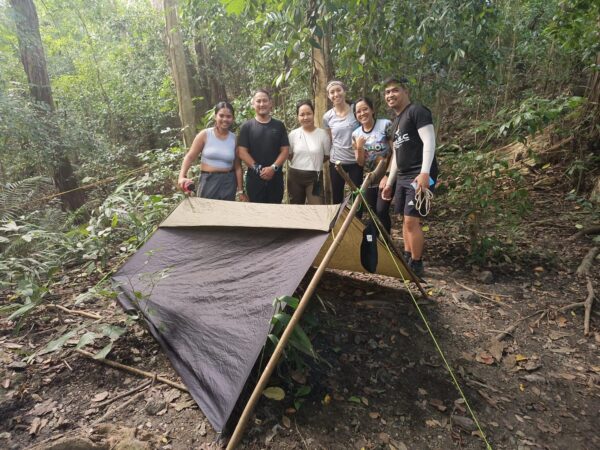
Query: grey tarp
x=205, y=283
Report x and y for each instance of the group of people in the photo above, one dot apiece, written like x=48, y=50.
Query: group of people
x=351, y=135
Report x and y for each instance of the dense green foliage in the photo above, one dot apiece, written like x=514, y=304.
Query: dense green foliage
x=492, y=72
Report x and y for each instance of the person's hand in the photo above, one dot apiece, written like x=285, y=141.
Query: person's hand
x=267, y=173
x=181, y=182
x=422, y=181
x=383, y=182
x=243, y=197
x=387, y=193
x=360, y=142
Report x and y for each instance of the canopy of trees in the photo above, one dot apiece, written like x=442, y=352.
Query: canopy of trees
x=102, y=95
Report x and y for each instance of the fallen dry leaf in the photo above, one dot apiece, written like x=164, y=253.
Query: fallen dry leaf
x=172, y=395
x=274, y=393
x=433, y=423
x=553, y=428
x=286, y=421
x=496, y=349
x=485, y=358
x=533, y=378
x=374, y=415
x=101, y=396
x=464, y=422
x=554, y=335
x=184, y=404
x=519, y=358
x=562, y=321
x=12, y=346
x=42, y=408
x=365, y=401
x=298, y=377
x=436, y=403
x=6, y=383
x=35, y=426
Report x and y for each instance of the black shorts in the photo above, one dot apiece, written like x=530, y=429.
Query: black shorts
x=404, y=197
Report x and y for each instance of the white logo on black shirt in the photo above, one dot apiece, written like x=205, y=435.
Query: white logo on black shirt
x=400, y=139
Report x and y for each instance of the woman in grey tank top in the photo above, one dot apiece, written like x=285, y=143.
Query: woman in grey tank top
x=340, y=122
x=220, y=167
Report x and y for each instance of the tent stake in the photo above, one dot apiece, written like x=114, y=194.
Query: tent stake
x=236, y=437
x=384, y=232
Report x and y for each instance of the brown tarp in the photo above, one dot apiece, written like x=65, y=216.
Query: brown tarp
x=206, y=280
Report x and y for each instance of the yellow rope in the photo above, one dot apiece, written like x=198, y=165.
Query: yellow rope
x=97, y=183
x=422, y=315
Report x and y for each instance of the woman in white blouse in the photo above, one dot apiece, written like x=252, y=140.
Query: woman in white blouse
x=309, y=148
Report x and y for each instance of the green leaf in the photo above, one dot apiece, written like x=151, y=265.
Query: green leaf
x=579, y=226
x=274, y=393
x=355, y=399
x=57, y=344
x=303, y=391
x=300, y=341
x=113, y=332
x=234, y=6
x=104, y=352
x=291, y=301
x=86, y=339
x=23, y=310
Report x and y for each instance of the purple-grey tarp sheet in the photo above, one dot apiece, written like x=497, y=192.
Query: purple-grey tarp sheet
x=207, y=295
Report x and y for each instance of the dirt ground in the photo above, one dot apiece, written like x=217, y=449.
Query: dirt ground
x=381, y=383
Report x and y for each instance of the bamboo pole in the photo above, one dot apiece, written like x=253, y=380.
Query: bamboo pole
x=133, y=370
x=236, y=437
x=384, y=233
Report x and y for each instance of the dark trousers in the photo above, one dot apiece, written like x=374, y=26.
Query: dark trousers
x=379, y=206
x=262, y=191
x=354, y=171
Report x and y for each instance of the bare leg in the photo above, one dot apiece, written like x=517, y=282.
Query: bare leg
x=413, y=236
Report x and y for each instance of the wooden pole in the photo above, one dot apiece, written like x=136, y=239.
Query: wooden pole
x=236, y=437
x=384, y=233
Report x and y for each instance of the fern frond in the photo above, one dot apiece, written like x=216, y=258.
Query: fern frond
x=16, y=197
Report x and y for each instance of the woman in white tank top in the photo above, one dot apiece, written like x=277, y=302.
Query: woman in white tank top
x=220, y=167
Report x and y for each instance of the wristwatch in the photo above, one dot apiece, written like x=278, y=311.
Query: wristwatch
x=275, y=167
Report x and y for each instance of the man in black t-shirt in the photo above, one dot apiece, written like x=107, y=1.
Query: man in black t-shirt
x=263, y=145
x=413, y=167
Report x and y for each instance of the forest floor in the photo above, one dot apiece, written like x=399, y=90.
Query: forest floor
x=381, y=383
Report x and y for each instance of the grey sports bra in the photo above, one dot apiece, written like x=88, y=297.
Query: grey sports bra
x=218, y=153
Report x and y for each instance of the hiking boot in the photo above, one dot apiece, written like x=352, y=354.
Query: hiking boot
x=417, y=267
x=407, y=256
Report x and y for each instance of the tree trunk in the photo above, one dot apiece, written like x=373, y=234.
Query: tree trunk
x=212, y=86
x=322, y=72
x=34, y=63
x=179, y=71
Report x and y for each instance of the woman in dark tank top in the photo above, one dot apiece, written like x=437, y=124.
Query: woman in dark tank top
x=220, y=167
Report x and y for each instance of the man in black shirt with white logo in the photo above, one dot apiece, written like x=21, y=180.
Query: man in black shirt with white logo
x=413, y=167
x=263, y=145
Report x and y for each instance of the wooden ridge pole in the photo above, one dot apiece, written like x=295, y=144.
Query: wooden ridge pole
x=236, y=437
x=384, y=232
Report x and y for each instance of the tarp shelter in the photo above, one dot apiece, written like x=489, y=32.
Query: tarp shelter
x=205, y=282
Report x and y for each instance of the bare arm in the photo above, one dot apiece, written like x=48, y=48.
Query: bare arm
x=237, y=165
x=244, y=155
x=193, y=153
x=359, y=150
